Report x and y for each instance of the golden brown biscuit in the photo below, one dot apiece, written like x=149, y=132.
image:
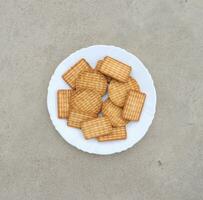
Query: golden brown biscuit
x=133, y=105
x=76, y=118
x=133, y=84
x=115, y=69
x=63, y=99
x=96, y=127
x=118, y=91
x=118, y=133
x=113, y=113
x=87, y=101
x=71, y=75
x=99, y=63
x=92, y=81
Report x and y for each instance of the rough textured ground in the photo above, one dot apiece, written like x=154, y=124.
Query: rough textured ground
x=36, y=163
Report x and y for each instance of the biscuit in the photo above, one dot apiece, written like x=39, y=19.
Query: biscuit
x=76, y=118
x=96, y=127
x=115, y=69
x=118, y=133
x=63, y=99
x=133, y=84
x=99, y=63
x=74, y=93
x=92, y=81
x=71, y=75
x=87, y=101
x=133, y=105
x=118, y=91
x=113, y=113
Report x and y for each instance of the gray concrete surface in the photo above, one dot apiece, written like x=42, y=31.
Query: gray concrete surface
x=36, y=163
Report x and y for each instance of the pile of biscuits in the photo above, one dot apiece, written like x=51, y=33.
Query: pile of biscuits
x=83, y=107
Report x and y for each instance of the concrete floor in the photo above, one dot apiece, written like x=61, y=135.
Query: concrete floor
x=36, y=163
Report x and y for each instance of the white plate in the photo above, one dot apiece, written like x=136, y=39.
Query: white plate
x=135, y=130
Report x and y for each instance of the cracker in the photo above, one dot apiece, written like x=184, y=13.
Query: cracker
x=63, y=99
x=118, y=133
x=96, y=127
x=133, y=105
x=114, y=113
x=71, y=75
x=76, y=118
x=74, y=93
x=87, y=101
x=133, y=84
x=115, y=69
x=92, y=81
x=98, y=66
x=118, y=91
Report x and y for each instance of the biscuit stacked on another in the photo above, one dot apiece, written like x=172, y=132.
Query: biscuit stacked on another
x=82, y=104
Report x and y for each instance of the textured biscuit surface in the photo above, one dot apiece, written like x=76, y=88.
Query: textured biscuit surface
x=76, y=118
x=96, y=127
x=133, y=84
x=71, y=75
x=92, y=81
x=118, y=91
x=63, y=99
x=113, y=113
x=98, y=66
x=87, y=101
x=133, y=105
x=115, y=69
x=118, y=133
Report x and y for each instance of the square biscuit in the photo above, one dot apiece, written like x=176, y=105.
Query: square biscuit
x=71, y=75
x=96, y=127
x=76, y=118
x=63, y=100
x=118, y=133
x=133, y=105
x=97, y=68
x=115, y=69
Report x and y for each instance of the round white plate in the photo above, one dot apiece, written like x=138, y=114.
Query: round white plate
x=135, y=130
